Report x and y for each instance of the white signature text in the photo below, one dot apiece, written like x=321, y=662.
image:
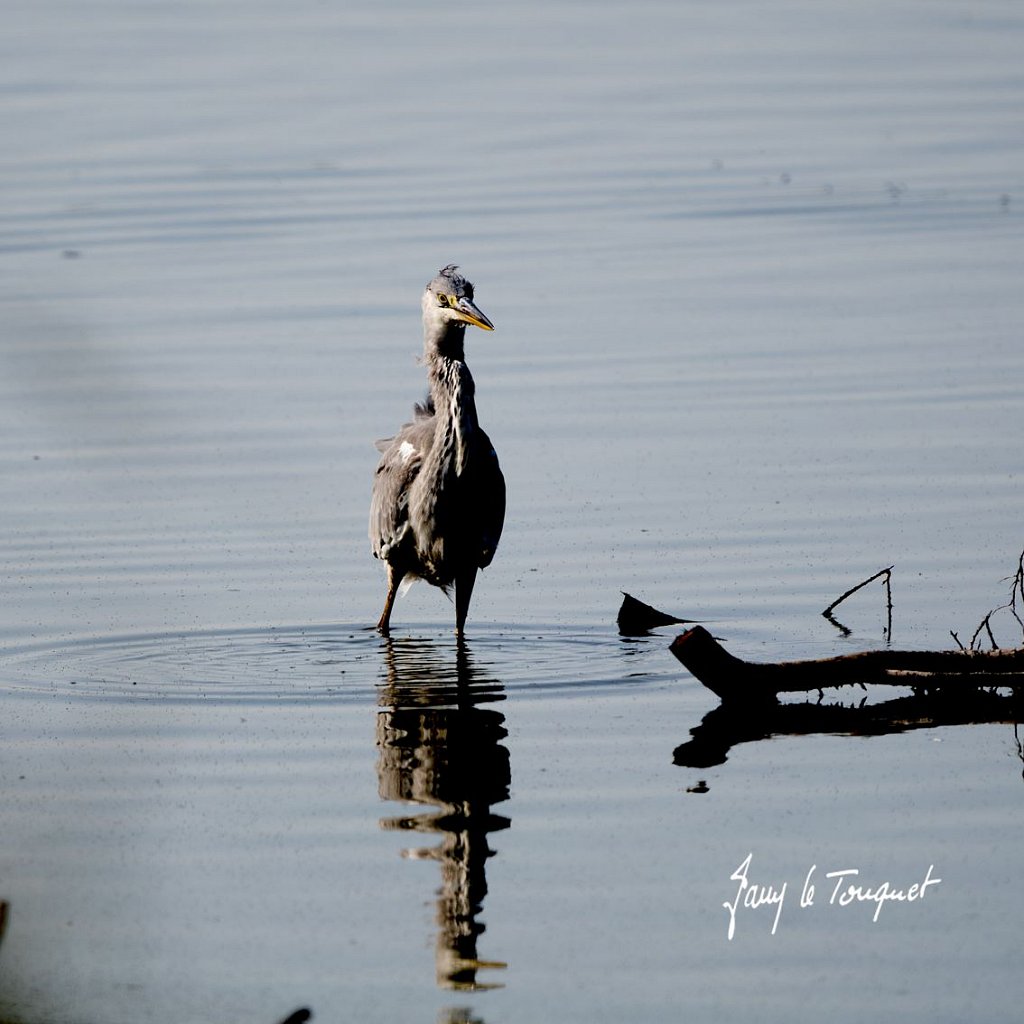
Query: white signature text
x=843, y=889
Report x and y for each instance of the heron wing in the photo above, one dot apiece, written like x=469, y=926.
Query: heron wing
x=399, y=465
x=491, y=489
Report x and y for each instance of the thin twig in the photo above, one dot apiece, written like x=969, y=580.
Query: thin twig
x=985, y=624
x=853, y=590
x=888, y=603
x=887, y=573
x=1016, y=588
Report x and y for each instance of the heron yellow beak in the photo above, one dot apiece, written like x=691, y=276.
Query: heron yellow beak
x=468, y=313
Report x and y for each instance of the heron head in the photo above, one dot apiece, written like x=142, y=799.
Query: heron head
x=448, y=301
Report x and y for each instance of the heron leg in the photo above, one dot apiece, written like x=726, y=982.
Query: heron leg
x=394, y=579
x=464, y=581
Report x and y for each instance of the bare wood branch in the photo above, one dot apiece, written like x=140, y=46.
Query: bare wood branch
x=887, y=574
x=732, y=678
x=1016, y=587
x=853, y=590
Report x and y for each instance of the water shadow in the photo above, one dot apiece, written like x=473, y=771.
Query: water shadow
x=729, y=725
x=439, y=748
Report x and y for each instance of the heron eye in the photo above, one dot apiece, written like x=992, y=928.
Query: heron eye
x=442, y=300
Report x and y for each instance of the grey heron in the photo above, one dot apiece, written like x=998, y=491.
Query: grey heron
x=438, y=502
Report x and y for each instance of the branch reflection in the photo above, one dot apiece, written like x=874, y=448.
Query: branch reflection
x=438, y=747
x=729, y=725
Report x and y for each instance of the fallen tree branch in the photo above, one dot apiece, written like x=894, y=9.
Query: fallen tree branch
x=734, y=679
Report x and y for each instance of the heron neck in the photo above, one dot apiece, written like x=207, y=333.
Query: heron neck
x=451, y=387
x=447, y=340
x=453, y=393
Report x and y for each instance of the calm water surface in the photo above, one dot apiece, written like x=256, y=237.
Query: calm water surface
x=756, y=277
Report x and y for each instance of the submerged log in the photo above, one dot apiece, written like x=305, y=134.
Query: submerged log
x=636, y=618
x=731, y=678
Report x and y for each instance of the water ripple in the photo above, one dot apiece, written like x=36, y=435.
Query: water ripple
x=342, y=663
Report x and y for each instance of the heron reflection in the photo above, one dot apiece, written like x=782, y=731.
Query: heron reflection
x=439, y=748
